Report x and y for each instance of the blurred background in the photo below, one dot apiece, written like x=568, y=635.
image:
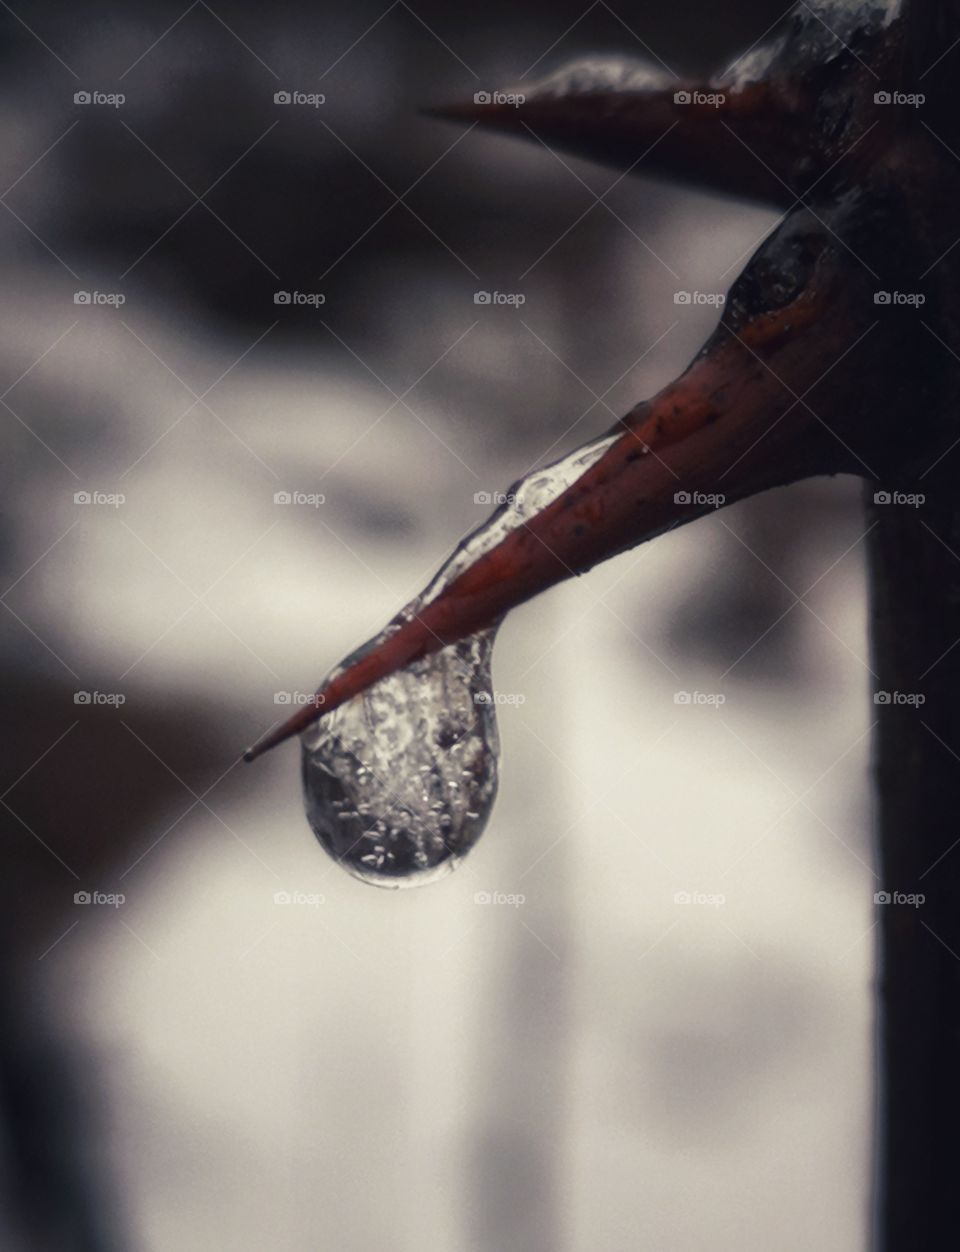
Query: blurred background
x=656, y=1031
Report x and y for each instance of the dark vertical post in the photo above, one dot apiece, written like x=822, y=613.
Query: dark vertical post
x=915, y=556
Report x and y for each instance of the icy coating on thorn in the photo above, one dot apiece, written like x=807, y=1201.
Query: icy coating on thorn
x=524, y=500
x=399, y=782
x=603, y=73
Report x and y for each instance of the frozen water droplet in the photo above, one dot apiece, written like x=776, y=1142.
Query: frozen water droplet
x=399, y=781
x=403, y=742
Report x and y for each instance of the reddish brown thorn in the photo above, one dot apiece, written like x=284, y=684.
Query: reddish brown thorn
x=729, y=426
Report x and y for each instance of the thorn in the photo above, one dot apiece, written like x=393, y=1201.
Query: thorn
x=726, y=421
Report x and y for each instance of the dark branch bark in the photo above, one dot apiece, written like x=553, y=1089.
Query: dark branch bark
x=916, y=623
